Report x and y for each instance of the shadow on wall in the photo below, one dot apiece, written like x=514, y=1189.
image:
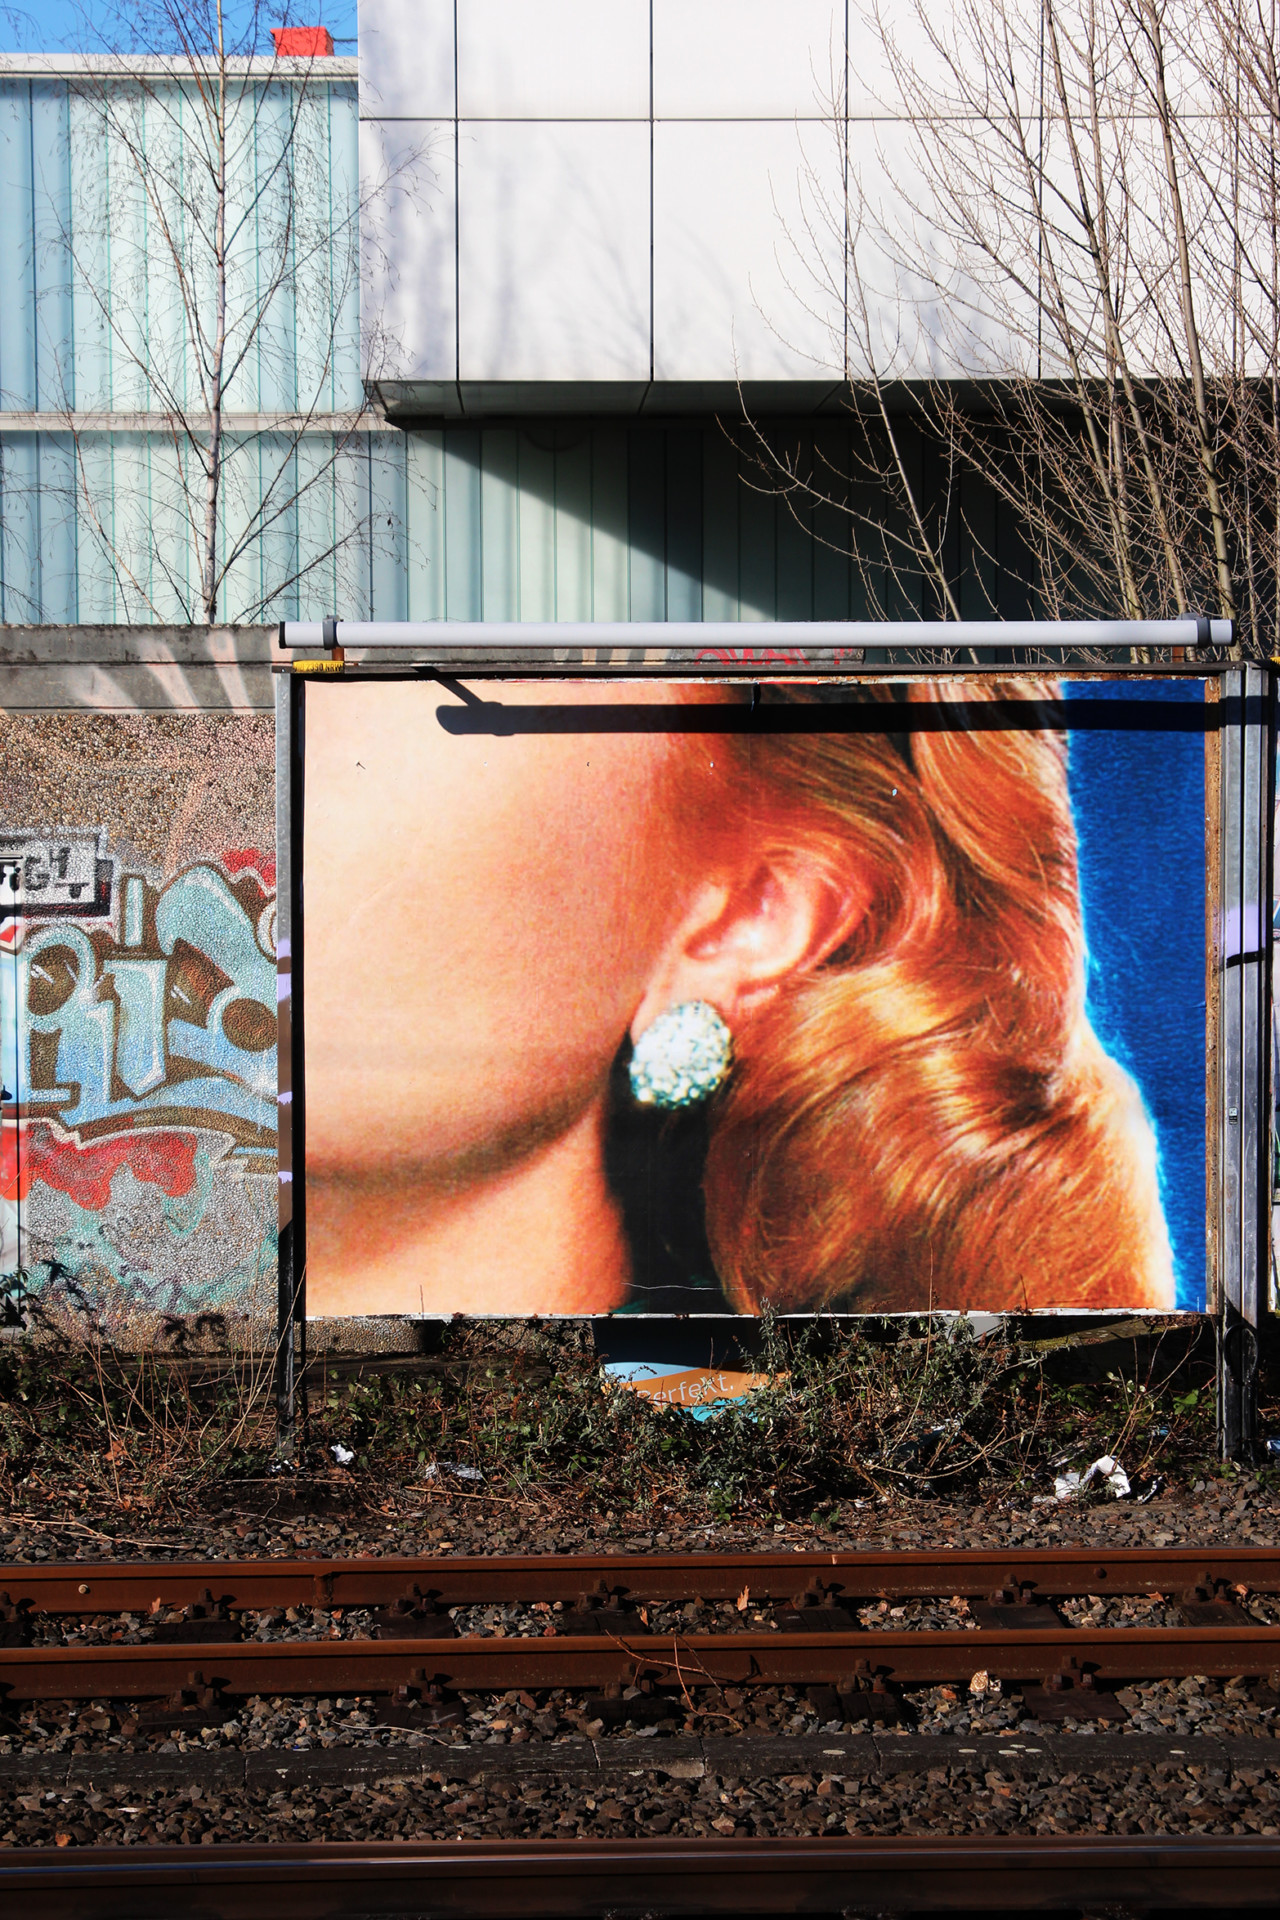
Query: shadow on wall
x=602, y=521
x=545, y=520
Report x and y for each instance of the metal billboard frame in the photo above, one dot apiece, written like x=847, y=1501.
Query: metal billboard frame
x=1241, y=751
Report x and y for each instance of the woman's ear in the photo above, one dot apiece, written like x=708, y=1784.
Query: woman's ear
x=744, y=936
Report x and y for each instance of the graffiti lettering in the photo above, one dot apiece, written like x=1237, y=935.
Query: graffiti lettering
x=138, y=1187
x=64, y=873
x=173, y=1020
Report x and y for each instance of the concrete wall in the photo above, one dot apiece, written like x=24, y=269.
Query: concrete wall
x=137, y=1020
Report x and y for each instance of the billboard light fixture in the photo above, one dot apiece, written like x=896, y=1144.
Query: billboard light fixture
x=449, y=638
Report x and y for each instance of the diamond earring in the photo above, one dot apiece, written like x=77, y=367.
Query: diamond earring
x=682, y=1058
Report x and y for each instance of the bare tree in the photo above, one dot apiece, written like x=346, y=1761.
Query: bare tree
x=213, y=236
x=1068, y=272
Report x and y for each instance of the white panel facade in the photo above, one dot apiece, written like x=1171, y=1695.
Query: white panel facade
x=687, y=141
x=558, y=60
x=407, y=59
x=754, y=60
x=873, y=90
x=409, y=300
x=735, y=292
x=553, y=250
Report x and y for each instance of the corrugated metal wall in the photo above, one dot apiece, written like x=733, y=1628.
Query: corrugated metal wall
x=95, y=346
x=580, y=521
x=568, y=522
x=89, y=528
x=77, y=231
x=499, y=523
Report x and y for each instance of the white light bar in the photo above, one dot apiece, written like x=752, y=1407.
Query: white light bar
x=452, y=637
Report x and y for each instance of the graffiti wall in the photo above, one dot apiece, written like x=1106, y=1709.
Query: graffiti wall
x=137, y=1016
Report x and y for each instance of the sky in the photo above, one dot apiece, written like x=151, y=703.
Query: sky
x=85, y=26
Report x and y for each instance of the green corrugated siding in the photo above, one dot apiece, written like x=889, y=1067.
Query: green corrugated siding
x=605, y=523
x=95, y=525
x=498, y=523
x=77, y=233
x=609, y=522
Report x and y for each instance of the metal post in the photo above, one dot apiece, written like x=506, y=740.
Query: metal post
x=291, y=1323
x=1244, y=952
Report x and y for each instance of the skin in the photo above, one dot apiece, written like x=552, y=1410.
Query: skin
x=484, y=920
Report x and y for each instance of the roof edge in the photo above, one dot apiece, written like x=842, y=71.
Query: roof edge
x=80, y=66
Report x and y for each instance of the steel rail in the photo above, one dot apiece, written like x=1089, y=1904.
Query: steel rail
x=599, y=1660
x=82, y=1587
x=970, y=1874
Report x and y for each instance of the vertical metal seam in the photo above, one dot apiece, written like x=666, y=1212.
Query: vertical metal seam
x=74, y=595
x=35, y=291
x=1267, y=1024
x=517, y=545
x=457, y=218
x=653, y=321
x=845, y=185
x=1228, y=1276
x=555, y=525
x=1241, y=1004
x=37, y=442
x=1249, y=1038
x=70, y=311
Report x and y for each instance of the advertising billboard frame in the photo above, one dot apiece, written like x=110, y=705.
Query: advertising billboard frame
x=1239, y=830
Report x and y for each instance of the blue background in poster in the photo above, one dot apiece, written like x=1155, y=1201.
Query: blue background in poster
x=1138, y=799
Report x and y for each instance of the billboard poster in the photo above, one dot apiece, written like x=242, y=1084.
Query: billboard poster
x=677, y=997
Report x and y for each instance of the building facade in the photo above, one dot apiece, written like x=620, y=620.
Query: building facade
x=583, y=272
x=533, y=311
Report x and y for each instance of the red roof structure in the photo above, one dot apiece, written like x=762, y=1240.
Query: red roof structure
x=301, y=43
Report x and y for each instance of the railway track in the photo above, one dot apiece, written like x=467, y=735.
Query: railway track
x=82, y=1587
x=582, y=1877
x=617, y=1627
x=637, y=1638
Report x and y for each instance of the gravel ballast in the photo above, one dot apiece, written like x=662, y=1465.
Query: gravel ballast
x=1196, y=1755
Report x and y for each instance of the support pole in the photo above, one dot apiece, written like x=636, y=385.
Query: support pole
x=1244, y=972
x=290, y=1358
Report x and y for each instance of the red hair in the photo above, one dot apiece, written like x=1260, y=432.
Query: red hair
x=927, y=1118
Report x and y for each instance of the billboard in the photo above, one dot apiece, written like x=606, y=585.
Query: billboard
x=678, y=997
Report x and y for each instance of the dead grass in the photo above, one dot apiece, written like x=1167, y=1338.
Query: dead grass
x=900, y=1410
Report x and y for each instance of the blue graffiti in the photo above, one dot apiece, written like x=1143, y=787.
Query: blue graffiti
x=117, y=1050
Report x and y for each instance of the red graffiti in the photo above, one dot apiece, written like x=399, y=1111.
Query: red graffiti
x=164, y=1158
x=772, y=656
x=263, y=865
x=753, y=656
